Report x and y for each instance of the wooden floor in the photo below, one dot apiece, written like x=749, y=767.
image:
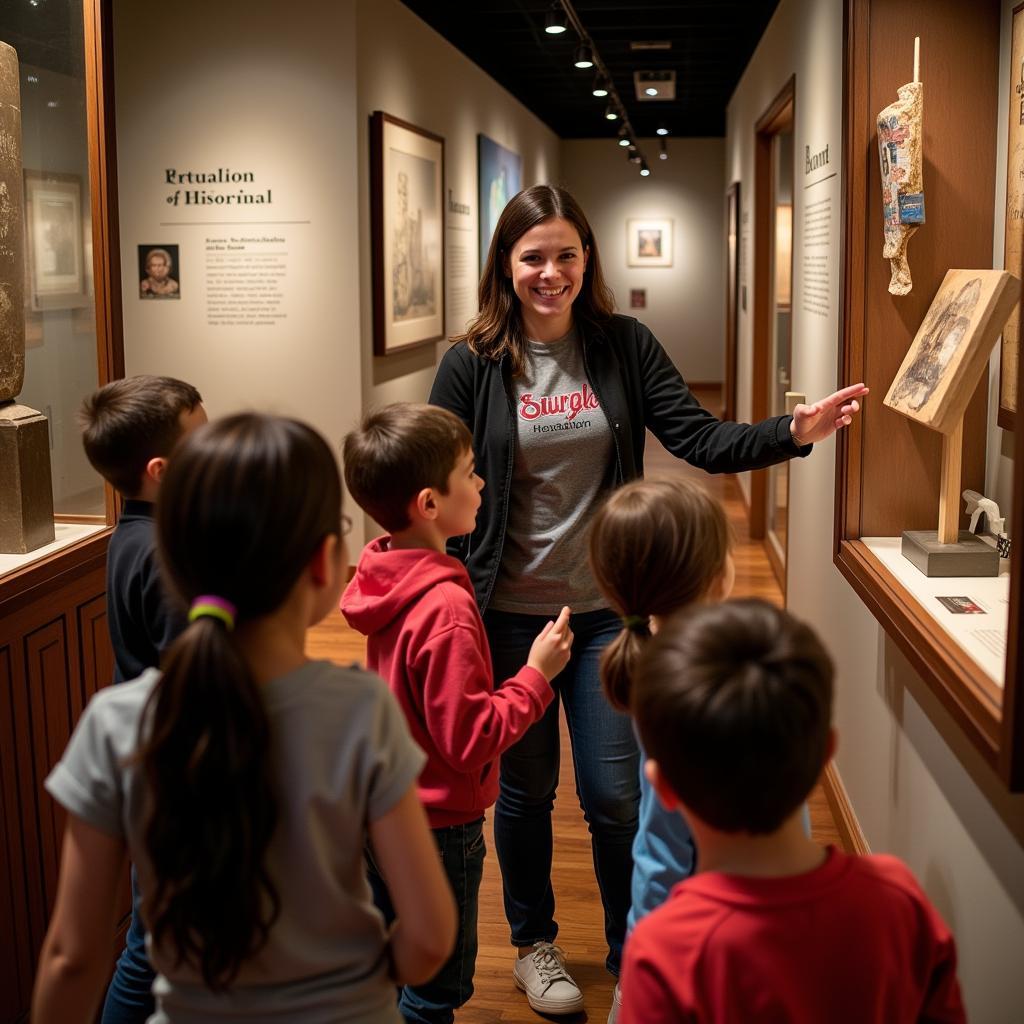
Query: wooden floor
x=581, y=929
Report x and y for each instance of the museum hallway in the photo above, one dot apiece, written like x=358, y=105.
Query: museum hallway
x=579, y=907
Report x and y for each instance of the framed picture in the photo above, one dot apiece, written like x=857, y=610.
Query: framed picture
x=637, y=298
x=499, y=178
x=407, y=225
x=1013, y=259
x=649, y=242
x=951, y=348
x=159, y=271
x=55, y=250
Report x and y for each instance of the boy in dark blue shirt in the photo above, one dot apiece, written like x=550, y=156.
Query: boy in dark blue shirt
x=129, y=427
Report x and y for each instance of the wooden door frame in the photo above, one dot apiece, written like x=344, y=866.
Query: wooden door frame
x=733, y=218
x=781, y=108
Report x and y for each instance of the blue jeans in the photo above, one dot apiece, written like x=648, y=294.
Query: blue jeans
x=606, y=763
x=462, y=850
x=130, y=995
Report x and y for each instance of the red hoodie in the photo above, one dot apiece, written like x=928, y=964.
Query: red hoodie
x=426, y=638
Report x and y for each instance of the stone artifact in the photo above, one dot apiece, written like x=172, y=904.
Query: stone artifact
x=26, y=493
x=900, y=136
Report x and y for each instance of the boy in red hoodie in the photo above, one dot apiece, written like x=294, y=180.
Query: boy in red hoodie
x=411, y=468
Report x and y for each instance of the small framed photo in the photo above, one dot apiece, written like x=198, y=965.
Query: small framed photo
x=159, y=273
x=649, y=242
x=55, y=237
x=407, y=231
x=637, y=298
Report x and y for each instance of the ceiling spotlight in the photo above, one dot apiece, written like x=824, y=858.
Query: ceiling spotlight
x=651, y=91
x=600, y=86
x=610, y=113
x=663, y=155
x=644, y=170
x=584, y=56
x=555, y=21
x=624, y=139
x=661, y=130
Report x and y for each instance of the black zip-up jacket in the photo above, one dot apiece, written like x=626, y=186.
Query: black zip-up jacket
x=638, y=387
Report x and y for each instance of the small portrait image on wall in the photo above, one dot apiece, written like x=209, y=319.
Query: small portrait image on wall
x=649, y=242
x=159, y=275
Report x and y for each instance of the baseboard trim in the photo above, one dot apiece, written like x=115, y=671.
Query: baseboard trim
x=842, y=811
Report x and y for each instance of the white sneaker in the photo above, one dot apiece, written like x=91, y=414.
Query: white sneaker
x=544, y=979
x=613, y=1013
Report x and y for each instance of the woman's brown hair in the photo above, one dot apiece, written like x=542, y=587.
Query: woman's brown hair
x=244, y=505
x=497, y=330
x=656, y=545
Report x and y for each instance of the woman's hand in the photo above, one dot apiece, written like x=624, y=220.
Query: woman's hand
x=812, y=423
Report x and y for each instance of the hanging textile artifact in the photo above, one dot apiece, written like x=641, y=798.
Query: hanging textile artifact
x=900, y=137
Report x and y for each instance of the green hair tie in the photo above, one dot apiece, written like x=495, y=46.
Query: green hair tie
x=213, y=607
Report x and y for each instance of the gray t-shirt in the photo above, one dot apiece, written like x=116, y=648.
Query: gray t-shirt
x=563, y=453
x=343, y=757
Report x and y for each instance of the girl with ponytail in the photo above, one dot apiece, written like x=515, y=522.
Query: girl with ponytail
x=657, y=547
x=246, y=779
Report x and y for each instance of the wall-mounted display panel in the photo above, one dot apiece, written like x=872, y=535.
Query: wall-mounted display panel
x=960, y=633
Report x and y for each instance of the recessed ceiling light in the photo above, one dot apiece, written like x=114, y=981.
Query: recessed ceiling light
x=651, y=91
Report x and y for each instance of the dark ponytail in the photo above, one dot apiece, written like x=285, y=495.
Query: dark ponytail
x=244, y=505
x=656, y=545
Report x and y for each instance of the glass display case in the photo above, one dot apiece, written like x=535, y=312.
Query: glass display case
x=961, y=634
x=54, y=641
x=68, y=340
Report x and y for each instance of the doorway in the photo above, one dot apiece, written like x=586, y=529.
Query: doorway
x=773, y=313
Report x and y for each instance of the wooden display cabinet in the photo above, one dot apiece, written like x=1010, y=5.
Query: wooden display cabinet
x=54, y=643
x=888, y=468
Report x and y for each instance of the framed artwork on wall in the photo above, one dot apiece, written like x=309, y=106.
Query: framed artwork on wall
x=649, y=242
x=407, y=228
x=55, y=248
x=499, y=178
x=1013, y=252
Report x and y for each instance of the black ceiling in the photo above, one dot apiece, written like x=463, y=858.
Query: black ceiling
x=712, y=41
x=45, y=34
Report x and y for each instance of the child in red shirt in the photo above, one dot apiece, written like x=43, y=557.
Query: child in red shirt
x=411, y=468
x=734, y=707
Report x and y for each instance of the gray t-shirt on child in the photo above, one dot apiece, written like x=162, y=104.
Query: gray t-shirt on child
x=564, y=451
x=342, y=755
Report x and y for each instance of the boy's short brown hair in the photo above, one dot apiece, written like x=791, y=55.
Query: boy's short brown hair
x=130, y=421
x=396, y=452
x=734, y=702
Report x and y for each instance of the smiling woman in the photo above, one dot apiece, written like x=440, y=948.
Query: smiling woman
x=559, y=392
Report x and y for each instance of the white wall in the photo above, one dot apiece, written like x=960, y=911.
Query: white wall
x=918, y=789
x=685, y=302
x=239, y=85
x=406, y=69
x=290, y=99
